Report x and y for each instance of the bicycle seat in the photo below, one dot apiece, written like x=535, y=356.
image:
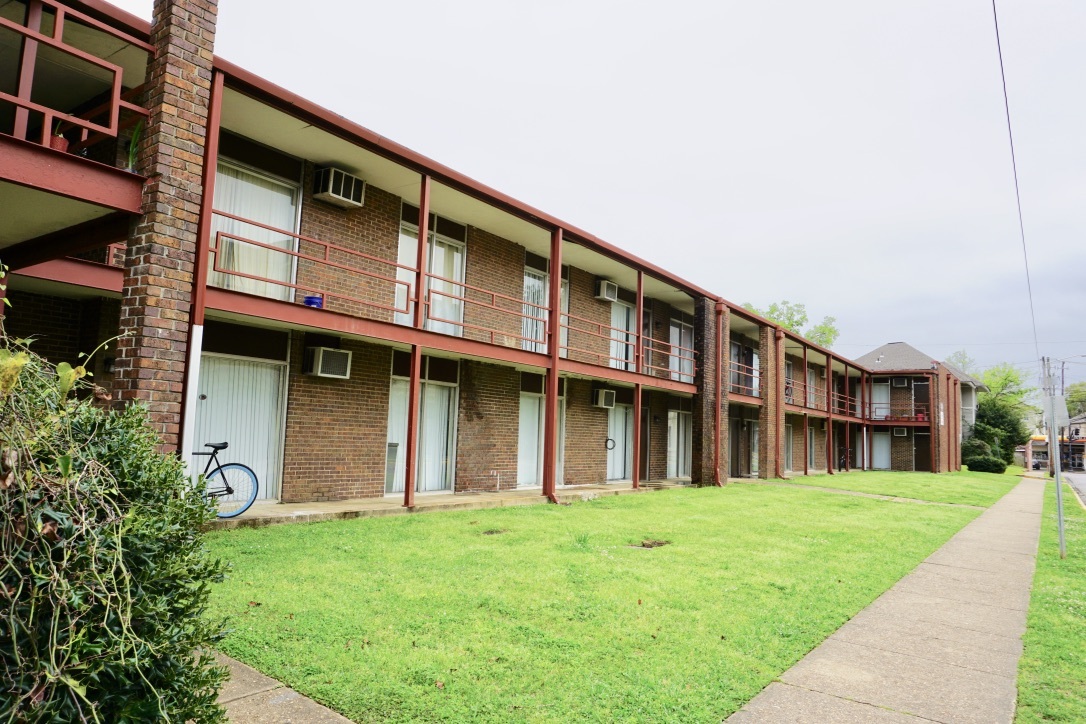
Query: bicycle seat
x=217, y=445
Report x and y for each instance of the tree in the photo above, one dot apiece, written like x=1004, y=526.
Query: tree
x=1076, y=399
x=963, y=361
x=1000, y=424
x=1005, y=381
x=793, y=317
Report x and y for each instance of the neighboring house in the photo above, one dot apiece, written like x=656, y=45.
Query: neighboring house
x=359, y=320
x=970, y=386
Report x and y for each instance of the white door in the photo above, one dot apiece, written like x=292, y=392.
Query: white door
x=436, y=440
x=788, y=448
x=240, y=402
x=880, y=401
x=680, y=426
x=533, y=410
x=620, y=428
x=880, y=451
x=754, y=459
x=623, y=335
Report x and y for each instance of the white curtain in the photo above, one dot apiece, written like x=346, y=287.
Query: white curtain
x=681, y=361
x=622, y=336
x=788, y=448
x=436, y=437
x=530, y=441
x=620, y=424
x=534, y=320
x=265, y=201
x=680, y=426
x=446, y=260
x=397, y=435
x=754, y=459
x=407, y=255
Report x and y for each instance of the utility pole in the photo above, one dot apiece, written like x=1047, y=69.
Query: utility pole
x=1054, y=445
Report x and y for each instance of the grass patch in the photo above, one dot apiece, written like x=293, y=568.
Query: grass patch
x=1052, y=671
x=558, y=618
x=964, y=488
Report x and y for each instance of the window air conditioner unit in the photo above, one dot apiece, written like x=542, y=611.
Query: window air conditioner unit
x=900, y=432
x=606, y=290
x=328, y=362
x=339, y=188
x=901, y=382
x=604, y=399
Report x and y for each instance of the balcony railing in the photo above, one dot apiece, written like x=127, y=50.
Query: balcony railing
x=744, y=380
x=844, y=404
x=797, y=392
x=262, y=260
x=900, y=411
x=71, y=124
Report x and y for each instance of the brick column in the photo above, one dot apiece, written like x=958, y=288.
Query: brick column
x=701, y=447
x=158, y=275
x=769, y=366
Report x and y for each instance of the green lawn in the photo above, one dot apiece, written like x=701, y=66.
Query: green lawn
x=546, y=613
x=965, y=487
x=1052, y=671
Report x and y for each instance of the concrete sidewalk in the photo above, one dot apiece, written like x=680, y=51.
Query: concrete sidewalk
x=941, y=645
x=252, y=698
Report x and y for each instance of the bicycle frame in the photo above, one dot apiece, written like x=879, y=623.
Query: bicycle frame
x=213, y=457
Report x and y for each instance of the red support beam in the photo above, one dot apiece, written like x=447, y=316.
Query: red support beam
x=211, y=160
x=27, y=61
x=778, y=409
x=806, y=432
x=554, y=349
x=933, y=385
x=79, y=273
x=413, y=396
x=77, y=239
x=829, y=414
x=422, y=257
x=639, y=350
x=63, y=174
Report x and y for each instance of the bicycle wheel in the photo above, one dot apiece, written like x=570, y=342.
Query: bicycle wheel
x=232, y=487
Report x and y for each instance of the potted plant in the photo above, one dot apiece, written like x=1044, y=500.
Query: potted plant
x=58, y=142
x=134, y=146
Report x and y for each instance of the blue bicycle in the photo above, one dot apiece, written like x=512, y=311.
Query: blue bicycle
x=231, y=487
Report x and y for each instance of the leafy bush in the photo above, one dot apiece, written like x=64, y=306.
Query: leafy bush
x=1000, y=424
x=104, y=579
x=987, y=464
x=974, y=447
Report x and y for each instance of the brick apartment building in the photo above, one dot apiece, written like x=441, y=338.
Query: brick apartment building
x=328, y=300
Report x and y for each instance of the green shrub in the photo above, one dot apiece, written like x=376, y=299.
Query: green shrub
x=974, y=447
x=987, y=464
x=104, y=579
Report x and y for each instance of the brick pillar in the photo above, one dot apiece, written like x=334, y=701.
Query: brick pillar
x=704, y=418
x=158, y=274
x=769, y=365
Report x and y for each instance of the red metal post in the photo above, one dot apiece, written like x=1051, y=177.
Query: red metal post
x=806, y=387
x=211, y=158
x=414, y=390
x=806, y=436
x=422, y=257
x=637, y=437
x=829, y=414
x=26, y=72
x=639, y=353
x=414, y=393
x=778, y=414
x=719, y=392
x=554, y=342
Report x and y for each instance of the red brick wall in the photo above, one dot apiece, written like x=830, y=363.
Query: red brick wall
x=799, y=443
x=586, y=347
x=496, y=265
x=816, y=425
x=487, y=427
x=586, y=435
x=336, y=430
x=657, y=405
x=901, y=449
x=771, y=415
x=703, y=459
x=373, y=229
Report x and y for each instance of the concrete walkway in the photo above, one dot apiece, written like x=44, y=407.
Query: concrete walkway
x=942, y=645
x=252, y=698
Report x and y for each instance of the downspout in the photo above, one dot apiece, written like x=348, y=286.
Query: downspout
x=778, y=407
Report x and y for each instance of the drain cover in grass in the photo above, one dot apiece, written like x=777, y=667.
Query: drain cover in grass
x=651, y=543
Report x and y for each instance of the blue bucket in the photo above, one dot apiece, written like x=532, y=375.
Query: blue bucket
x=315, y=301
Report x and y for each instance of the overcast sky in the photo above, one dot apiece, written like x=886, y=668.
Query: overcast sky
x=851, y=155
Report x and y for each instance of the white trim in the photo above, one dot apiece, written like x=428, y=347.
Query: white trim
x=192, y=392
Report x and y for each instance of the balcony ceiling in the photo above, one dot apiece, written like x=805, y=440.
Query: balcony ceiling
x=30, y=213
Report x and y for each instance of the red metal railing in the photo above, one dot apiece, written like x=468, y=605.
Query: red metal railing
x=744, y=380
x=798, y=392
x=625, y=342
x=844, y=404
x=85, y=127
x=499, y=304
x=900, y=411
x=681, y=362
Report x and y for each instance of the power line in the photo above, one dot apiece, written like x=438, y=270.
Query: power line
x=1014, y=168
